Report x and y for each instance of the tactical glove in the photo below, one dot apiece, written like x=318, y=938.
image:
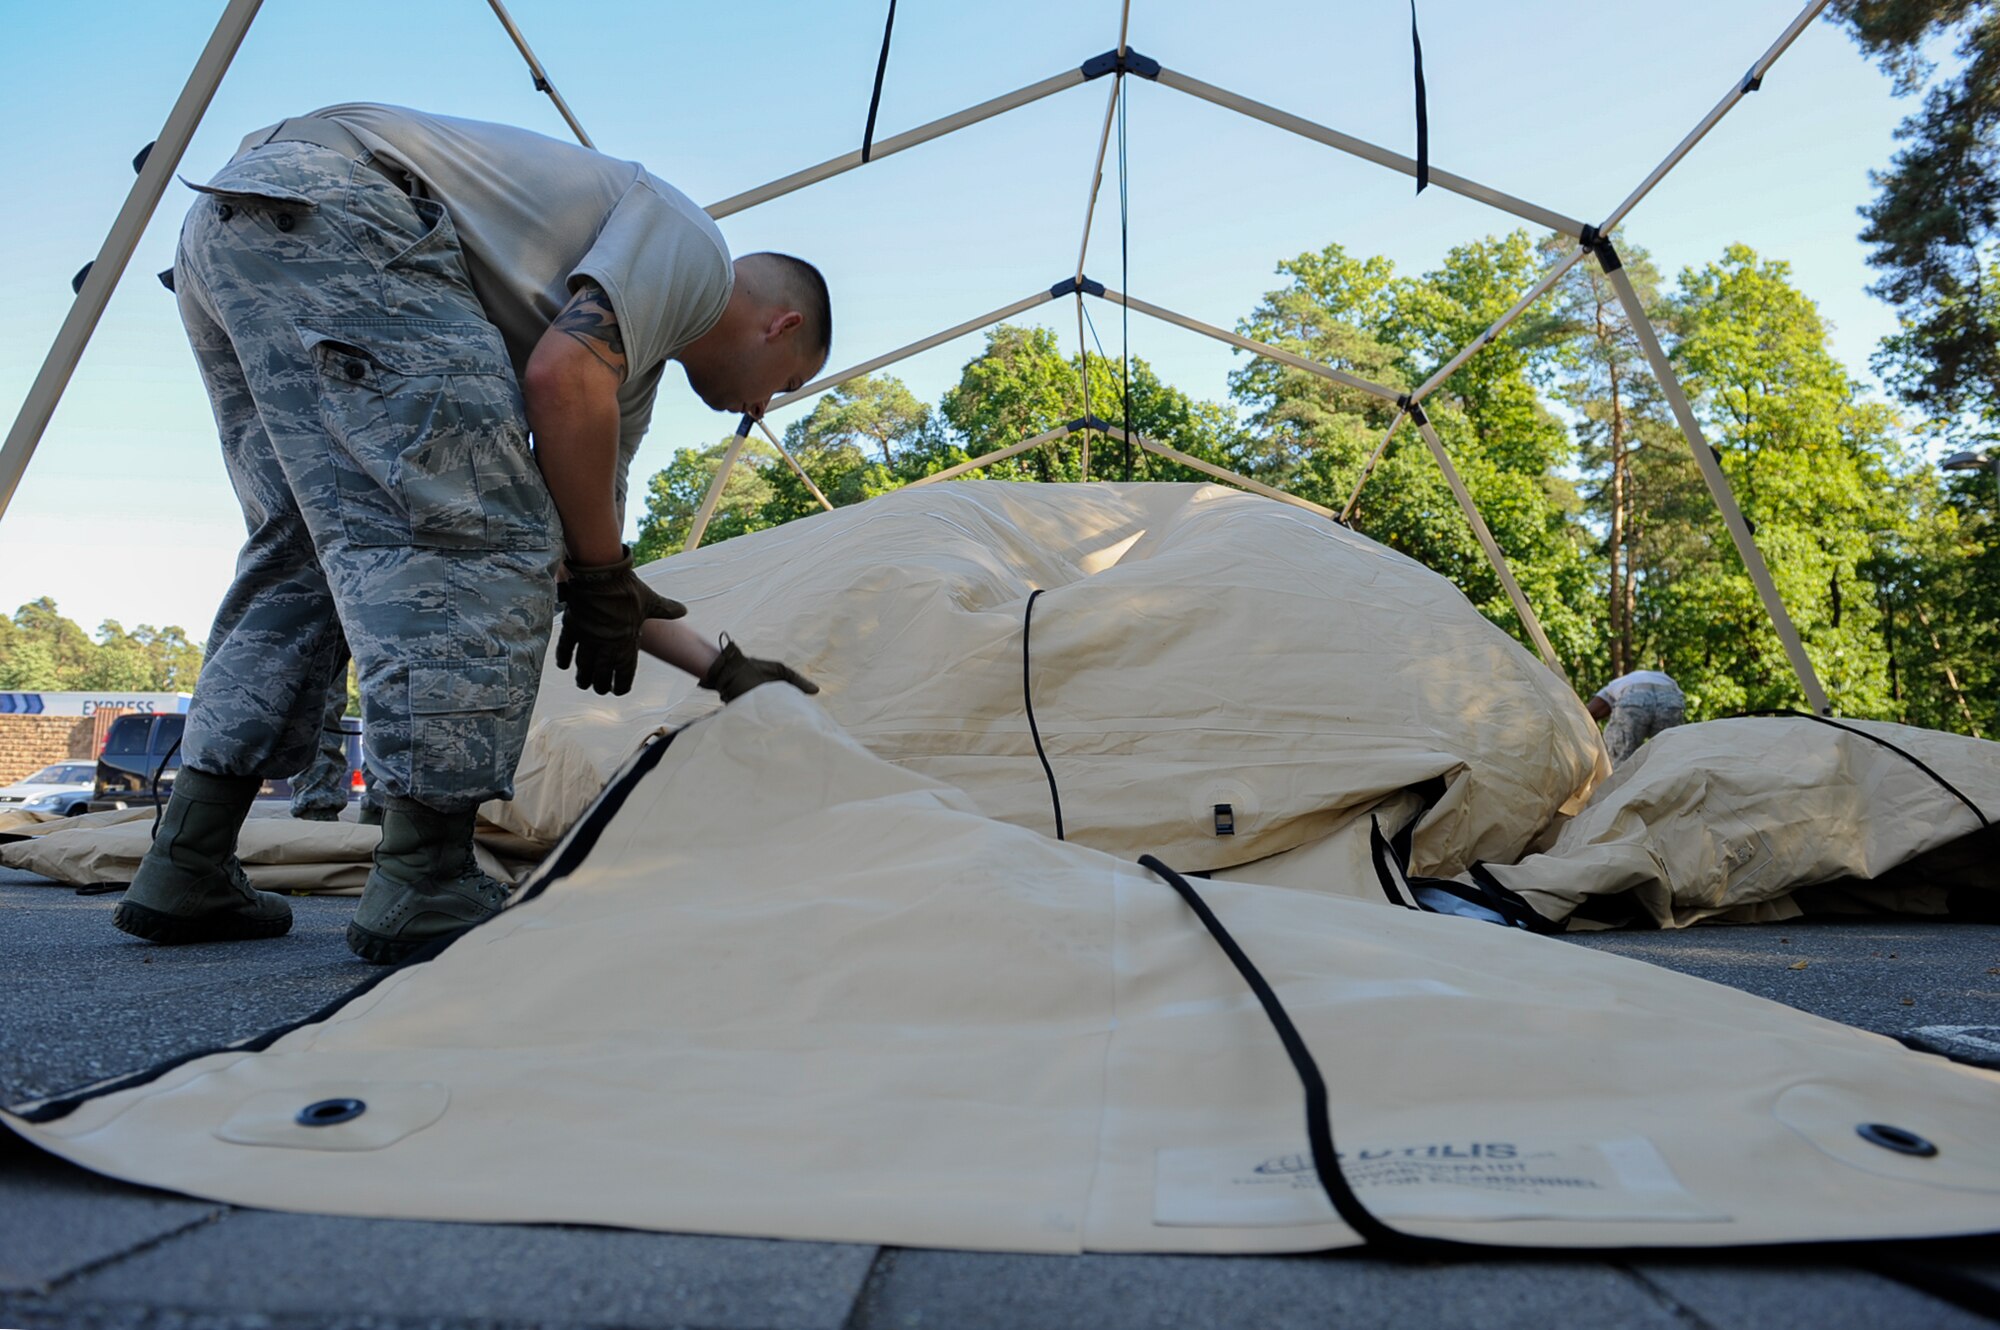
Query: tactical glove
x=602, y=610
x=735, y=674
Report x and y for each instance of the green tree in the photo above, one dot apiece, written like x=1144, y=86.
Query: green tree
x=69, y=648
x=1311, y=434
x=1021, y=385
x=674, y=495
x=29, y=666
x=1630, y=454
x=1816, y=471
x=839, y=441
x=1936, y=212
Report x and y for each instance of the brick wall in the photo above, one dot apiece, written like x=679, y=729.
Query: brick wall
x=29, y=743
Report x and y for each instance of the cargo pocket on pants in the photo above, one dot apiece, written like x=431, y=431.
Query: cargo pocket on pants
x=455, y=721
x=428, y=436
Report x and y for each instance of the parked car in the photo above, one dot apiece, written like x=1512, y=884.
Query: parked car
x=139, y=747
x=60, y=787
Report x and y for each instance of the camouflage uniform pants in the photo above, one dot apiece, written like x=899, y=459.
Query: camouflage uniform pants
x=1641, y=713
x=375, y=436
x=322, y=790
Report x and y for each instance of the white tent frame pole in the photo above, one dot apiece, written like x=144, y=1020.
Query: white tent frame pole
x=699, y=528
x=794, y=463
x=1520, y=307
x=914, y=348
x=109, y=265
x=1368, y=469
x=1083, y=377
x=997, y=455
x=541, y=76
x=1211, y=469
x=1097, y=171
x=1083, y=247
x=909, y=138
x=1522, y=609
x=1367, y=151
x=1718, y=488
x=1744, y=87
x=1276, y=353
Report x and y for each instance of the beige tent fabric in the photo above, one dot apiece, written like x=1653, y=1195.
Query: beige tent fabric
x=1194, y=646
x=795, y=990
x=279, y=852
x=1729, y=819
x=18, y=823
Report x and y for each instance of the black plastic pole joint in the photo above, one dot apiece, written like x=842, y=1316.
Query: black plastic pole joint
x=1417, y=416
x=1069, y=286
x=1113, y=62
x=1601, y=248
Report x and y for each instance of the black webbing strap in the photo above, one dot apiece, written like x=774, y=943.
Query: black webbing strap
x=1387, y=870
x=875, y=99
x=1319, y=1127
x=1028, y=702
x=1912, y=758
x=1423, y=110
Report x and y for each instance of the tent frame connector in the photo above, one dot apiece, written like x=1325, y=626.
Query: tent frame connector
x=1078, y=284
x=1125, y=61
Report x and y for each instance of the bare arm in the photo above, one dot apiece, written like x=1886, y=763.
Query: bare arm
x=1597, y=707
x=680, y=646
x=571, y=390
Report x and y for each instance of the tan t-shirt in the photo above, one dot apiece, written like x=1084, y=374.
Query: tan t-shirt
x=534, y=214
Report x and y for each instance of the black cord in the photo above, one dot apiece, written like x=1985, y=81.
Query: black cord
x=1423, y=110
x=158, y=804
x=875, y=100
x=1319, y=1126
x=1028, y=701
x=1913, y=759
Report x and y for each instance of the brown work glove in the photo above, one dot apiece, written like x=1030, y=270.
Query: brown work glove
x=735, y=674
x=602, y=610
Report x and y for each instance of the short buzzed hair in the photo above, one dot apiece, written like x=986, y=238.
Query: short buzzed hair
x=801, y=286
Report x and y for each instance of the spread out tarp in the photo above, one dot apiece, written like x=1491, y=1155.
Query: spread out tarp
x=1763, y=819
x=795, y=990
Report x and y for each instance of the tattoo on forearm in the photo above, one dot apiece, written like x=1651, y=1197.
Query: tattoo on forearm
x=590, y=319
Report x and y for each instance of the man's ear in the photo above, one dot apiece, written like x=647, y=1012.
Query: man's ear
x=781, y=323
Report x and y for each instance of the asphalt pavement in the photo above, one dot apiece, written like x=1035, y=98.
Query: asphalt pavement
x=80, y=1002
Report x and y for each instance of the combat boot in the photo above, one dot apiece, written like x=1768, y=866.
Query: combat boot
x=190, y=887
x=425, y=886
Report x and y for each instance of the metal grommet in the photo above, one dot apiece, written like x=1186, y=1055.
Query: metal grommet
x=327, y=1112
x=357, y=369
x=284, y=221
x=224, y=211
x=1895, y=1138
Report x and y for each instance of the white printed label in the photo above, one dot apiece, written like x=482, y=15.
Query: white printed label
x=1623, y=1179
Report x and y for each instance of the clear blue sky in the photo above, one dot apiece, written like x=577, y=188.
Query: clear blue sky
x=125, y=512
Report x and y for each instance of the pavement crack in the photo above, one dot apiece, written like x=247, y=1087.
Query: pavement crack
x=879, y=1272
x=159, y=1239
x=1674, y=1307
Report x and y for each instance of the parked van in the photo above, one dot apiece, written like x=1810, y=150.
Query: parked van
x=140, y=747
